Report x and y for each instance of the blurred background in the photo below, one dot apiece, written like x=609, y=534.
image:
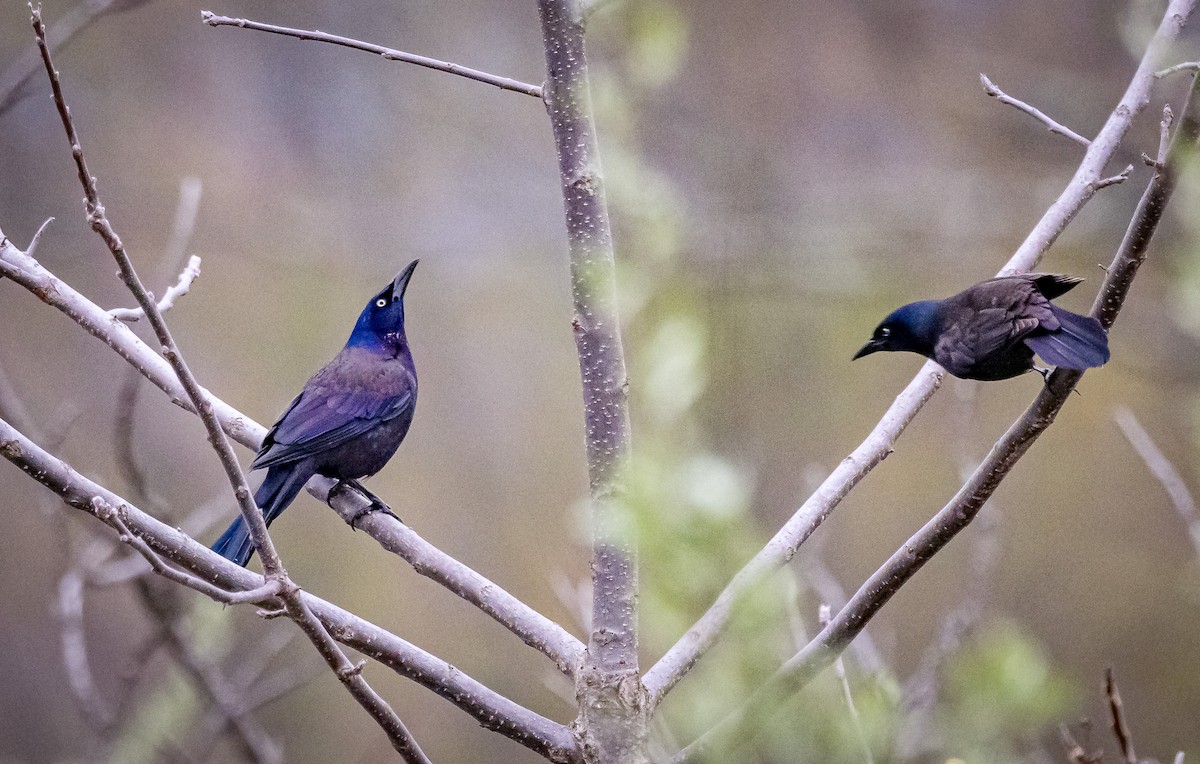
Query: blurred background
x=781, y=175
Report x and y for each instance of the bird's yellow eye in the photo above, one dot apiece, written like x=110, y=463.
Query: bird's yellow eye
x=380, y=303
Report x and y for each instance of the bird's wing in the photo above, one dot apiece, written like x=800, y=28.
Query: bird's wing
x=989, y=317
x=335, y=407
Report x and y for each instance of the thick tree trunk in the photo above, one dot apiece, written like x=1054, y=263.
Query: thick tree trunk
x=612, y=722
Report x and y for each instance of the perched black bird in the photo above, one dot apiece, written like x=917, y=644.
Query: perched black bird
x=347, y=421
x=992, y=330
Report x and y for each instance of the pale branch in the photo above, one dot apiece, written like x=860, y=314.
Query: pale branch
x=1116, y=718
x=535, y=629
x=920, y=691
x=696, y=642
x=780, y=550
x=971, y=497
x=1113, y=180
x=277, y=580
x=492, y=710
x=97, y=713
x=1164, y=135
x=1162, y=469
x=161, y=603
x=350, y=675
x=181, y=287
x=839, y=667
x=990, y=88
x=388, y=54
x=612, y=700
x=14, y=80
x=1187, y=66
x=98, y=219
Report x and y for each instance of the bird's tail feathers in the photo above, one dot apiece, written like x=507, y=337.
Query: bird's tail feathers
x=1053, y=285
x=1080, y=343
x=272, y=497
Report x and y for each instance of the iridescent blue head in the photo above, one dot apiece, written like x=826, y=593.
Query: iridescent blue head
x=912, y=327
x=381, y=323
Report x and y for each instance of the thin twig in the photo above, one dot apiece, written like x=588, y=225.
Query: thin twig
x=181, y=287
x=277, y=582
x=1160, y=466
x=388, y=54
x=675, y=664
x=1187, y=66
x=98, y=219
x=1116, y=712
x=990, y=88
x=839, y=667
x=1113, y=180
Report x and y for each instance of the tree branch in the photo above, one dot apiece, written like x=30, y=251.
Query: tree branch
x=276, y=578
x=990, y=88
x=1116, y=713
x=1161, y=468
x=388, y=54
x=179, y=289
x=535, y=629
x=492, y=710
x=611, y=697
x=969, y=500
x=697, y=641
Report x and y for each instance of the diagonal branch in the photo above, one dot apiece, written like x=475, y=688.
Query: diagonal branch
x=969, y=500
x=535, y=629
x=990, y=88
x=492, y=710
x=388, y=54
x=779, y=551
x=1161, y=468
x=276, y=577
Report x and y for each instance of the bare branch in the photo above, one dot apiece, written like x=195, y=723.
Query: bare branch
x=162, y=603
x=839, y=667
x=276, y=581
x=532, y=627
x=1161, y=468
x=388, y=54
x=990, y=88
x=1187, y=66
x=95, y=711
x=1113, y=180
x=492, y=710
x=969, y=500
x=1116, y=711
x=683, y=655
x=99, y=222
x=179, y=289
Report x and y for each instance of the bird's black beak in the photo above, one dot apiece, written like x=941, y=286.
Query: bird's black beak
x=401, y=281
x=873, y=346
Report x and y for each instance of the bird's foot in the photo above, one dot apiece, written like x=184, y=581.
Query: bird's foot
x=377, y=504
x=1045, y=374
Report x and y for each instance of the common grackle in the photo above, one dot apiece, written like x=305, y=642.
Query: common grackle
x=991, y=330
x=347, y=421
